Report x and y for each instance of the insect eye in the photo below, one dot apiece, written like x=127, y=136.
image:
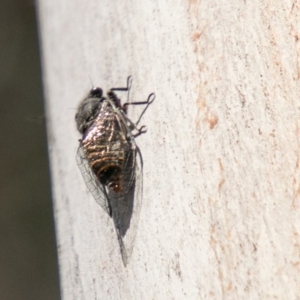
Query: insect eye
x=96, y=92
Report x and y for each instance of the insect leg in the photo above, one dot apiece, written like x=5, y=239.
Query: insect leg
x=150, y=99
x=140, y=130
x=112, y=95
x=127, y=88
x=133, y=126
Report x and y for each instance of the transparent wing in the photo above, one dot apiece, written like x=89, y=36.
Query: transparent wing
x=129, y=164
x=126, y=210
x=124, y=206
x=95, y=187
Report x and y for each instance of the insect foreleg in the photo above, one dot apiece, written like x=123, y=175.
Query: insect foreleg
x=112, y=96
x=150, y=99
x=124, y=89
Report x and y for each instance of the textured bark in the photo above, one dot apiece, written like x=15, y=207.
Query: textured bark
x=220, y=215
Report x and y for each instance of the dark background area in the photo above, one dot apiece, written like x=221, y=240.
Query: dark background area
x=28, y=262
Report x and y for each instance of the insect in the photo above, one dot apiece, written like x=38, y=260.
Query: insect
x=108, y=157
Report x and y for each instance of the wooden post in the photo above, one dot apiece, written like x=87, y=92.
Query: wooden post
x=220, y=215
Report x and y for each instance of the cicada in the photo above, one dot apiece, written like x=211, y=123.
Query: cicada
x=109, y=159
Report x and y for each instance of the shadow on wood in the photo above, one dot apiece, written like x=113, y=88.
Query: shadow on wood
x=126, y=211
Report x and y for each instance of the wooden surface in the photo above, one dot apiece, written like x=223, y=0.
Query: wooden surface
x=220, y=217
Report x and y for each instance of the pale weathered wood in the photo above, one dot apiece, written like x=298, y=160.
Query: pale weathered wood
x=220, y=215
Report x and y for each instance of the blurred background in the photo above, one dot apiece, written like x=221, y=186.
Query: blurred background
x=28, y=259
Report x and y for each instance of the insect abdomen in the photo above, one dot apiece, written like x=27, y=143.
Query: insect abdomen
x=107, y=163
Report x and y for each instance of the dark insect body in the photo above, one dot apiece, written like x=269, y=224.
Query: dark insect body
x=108, y=156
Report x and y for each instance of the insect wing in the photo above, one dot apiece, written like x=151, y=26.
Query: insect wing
x=95, y=187
x=108, y=149
x=111, y=136
x=126, y=210
x=129, y=147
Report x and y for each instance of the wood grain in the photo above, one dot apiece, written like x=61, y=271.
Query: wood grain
x=220, y=217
